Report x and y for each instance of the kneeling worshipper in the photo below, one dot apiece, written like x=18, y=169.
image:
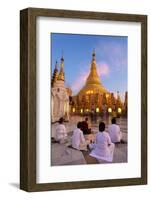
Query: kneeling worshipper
x=85, y=127
x=78, y=140
x=102, y=148
x=114, y=132
x=61, y=133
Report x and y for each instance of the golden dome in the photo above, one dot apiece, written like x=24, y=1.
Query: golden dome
x=93, y=84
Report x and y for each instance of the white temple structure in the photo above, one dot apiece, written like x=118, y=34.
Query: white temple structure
x=59, y=95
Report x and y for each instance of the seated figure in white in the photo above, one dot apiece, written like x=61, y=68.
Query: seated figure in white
x=78, y=140
x=114, y=132
x=103, y=148
x=61, y=133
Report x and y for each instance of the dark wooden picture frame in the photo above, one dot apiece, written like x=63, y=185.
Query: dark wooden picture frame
x=28, y=99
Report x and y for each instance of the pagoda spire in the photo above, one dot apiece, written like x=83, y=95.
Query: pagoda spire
x=119, y=102
x=93, y=83
x=93, y=63
x=93, y=77
x=61, y=73
x=93, y=55
x=56, y=66
x=55, y=74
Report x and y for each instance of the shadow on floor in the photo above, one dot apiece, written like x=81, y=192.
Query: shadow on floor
x=16, y=185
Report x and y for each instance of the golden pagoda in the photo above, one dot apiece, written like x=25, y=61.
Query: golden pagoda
x=93, y=84
x=93, y=96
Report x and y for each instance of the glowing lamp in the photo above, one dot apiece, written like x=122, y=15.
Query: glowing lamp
x=119, y=110
x=73, y=110
x=81, y=110
x=109, y=110
x=97, y=110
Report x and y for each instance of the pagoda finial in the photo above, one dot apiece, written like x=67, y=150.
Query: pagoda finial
x=62, y=59
x=56, y=65
x=93, y=54
x=61, y=74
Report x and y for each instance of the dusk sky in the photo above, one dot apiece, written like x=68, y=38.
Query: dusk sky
x=111, y=59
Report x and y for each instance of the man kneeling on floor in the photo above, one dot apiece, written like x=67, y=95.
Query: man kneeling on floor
x=102, y=148
x=78, y=140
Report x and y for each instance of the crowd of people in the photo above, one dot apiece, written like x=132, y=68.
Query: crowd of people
x=102, y=148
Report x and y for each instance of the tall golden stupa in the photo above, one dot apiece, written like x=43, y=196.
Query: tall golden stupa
x=93, y=84
x=94, y=97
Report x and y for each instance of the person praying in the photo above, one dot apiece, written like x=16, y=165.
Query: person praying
x=78, y=140
x=114, y=132
x=85, y=127
x=102, y=148
x=61, y=133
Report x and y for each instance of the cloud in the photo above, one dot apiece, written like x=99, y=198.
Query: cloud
x=103, y=69
x=113, y=52
x=79, y=82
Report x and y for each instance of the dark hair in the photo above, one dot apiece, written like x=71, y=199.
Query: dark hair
x=101, y=126
x=61, y=120
x=114, y=120
x=79, y=124
x=86, y=119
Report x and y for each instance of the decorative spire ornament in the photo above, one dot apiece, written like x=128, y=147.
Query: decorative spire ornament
x=55, y=74
x=61, y=73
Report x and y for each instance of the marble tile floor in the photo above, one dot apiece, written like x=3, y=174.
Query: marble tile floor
x=64, y=155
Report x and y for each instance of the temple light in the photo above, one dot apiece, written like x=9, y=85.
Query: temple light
x=109, y=110
x=89, y=92
x=73, y=110
x=81, y=110
x=97, y=110
x=119, y=110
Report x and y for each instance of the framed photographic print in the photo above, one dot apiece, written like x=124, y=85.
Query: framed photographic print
x=83, y=99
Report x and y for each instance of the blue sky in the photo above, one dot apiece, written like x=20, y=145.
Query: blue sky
x=111, y=58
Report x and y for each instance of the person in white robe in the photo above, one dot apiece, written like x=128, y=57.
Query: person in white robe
x=61, y=133
x=102, y=148
x=78, y=140
x=114, y=132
